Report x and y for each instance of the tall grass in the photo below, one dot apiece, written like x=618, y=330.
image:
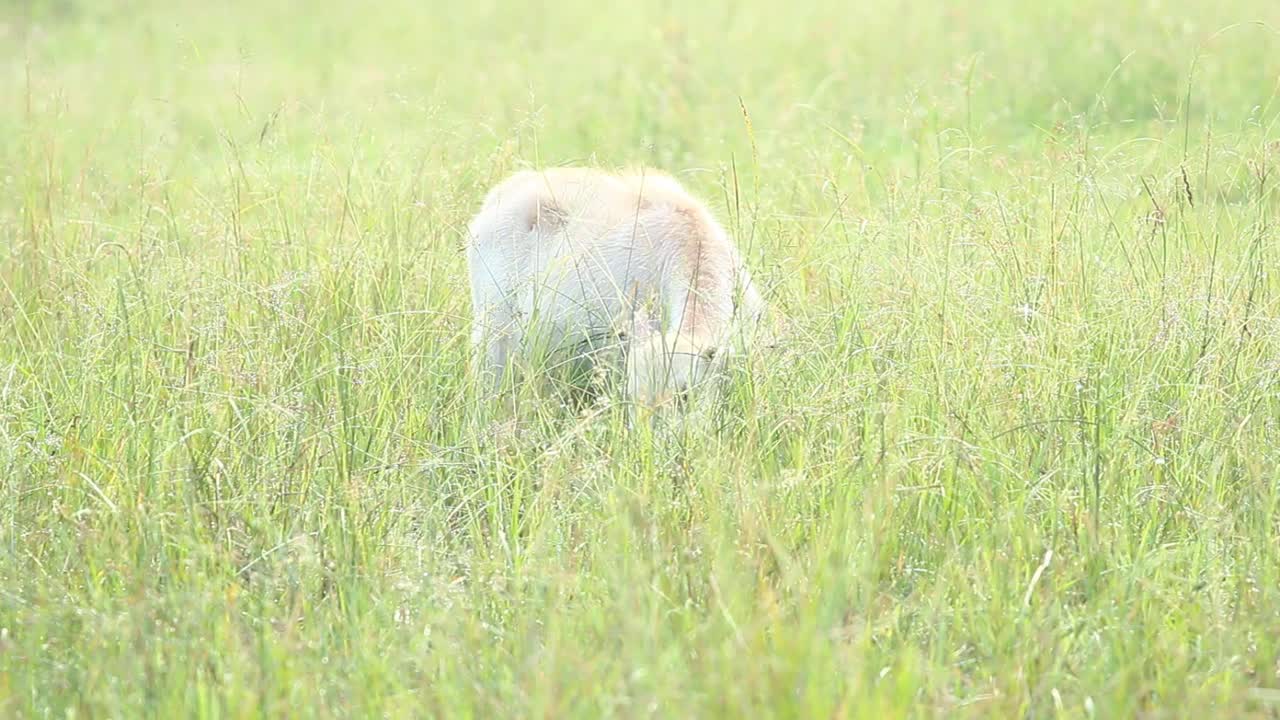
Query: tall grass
x=1016, y=455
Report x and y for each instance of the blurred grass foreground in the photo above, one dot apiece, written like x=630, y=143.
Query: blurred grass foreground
x=1016, y=456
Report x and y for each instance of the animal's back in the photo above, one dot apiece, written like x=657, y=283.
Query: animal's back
x=577, y=252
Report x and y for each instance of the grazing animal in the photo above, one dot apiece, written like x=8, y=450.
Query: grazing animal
x=587, y=261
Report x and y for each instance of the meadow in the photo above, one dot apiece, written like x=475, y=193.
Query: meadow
x=1016, y=453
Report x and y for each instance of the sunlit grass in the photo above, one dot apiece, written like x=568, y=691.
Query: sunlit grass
x=1015, y=454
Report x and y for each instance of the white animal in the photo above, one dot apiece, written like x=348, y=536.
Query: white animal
x=577, y=258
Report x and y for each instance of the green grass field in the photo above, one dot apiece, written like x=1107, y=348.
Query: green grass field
x=1017, y=454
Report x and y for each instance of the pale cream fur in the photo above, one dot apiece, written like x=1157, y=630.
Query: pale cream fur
x=567, y=256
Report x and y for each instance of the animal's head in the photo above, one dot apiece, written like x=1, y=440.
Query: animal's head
x=661, y=369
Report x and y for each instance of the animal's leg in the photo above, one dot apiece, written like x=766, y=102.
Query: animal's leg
x=493, y=341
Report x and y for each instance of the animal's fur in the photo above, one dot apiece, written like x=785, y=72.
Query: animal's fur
x=567, y=256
